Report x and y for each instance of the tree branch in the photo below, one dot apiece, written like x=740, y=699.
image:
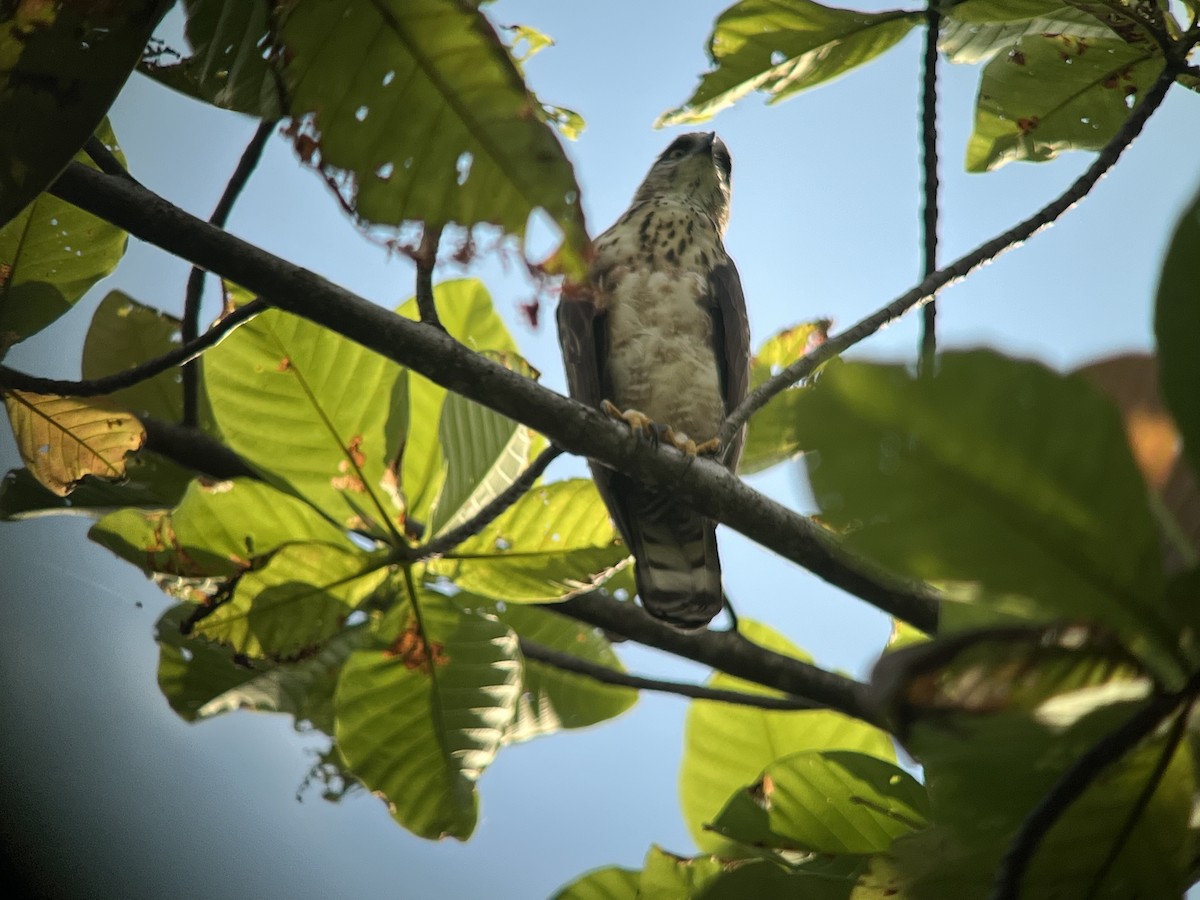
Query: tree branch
x=929, y=184
x=502, y=501
x=574, y=427
x=107, y=384
x=726, y=651
x=958, y=269
x=194, y=292
x=574, y=664
x=194, y=449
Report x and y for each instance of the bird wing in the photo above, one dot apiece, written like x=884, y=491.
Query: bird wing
x=731, y=338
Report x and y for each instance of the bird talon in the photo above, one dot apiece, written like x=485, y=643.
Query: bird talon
x=711, y=447
x=639, y=423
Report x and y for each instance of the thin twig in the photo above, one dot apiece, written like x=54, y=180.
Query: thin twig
x=194, y=293
x=929, y=184
x=1077, y=779
x=958, y=269
x=703, y=484
x=426, y=259
x=446, y=542
x=107, y=384
x=569, y=663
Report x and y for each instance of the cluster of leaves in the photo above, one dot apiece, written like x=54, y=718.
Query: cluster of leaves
x=1068, y=561
x=1059, y=74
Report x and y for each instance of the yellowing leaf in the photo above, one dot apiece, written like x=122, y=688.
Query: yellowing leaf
x=62, y=439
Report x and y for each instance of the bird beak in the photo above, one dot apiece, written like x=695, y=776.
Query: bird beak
x=709, y=137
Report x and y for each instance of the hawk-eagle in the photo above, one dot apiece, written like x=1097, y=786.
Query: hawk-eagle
x=659, y=337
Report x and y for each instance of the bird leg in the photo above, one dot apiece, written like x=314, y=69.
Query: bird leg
x=643, y=425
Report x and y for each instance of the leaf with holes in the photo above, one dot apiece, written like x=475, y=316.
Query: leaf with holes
x=554, y=542
x=63, y=439
x=476, y=145
x=422, y=713
x=1055, y=92
x=297, y=598
x=727, y=747
x=320, y=416
x=51, y=253
x=227, y=67
x=60, y=63
x=782, y=47
x=975, y=30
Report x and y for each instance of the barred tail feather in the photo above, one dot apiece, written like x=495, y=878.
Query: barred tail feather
x=678, y=570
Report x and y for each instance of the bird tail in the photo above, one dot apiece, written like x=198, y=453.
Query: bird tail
x=678, y=570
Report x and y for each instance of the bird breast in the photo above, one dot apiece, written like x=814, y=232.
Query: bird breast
x=662, y=359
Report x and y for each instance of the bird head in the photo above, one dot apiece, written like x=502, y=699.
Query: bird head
x=696, y=168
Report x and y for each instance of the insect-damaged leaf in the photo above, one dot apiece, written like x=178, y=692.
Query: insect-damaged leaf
x=1051, y=93
x=423, y=711
x=61, y=67
x=51, y=253
x=320, y=416
x=63, y=439
x=432, y=123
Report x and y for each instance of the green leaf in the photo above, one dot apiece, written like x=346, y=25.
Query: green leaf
x=217, y=530
x=126, y=333
x=826, y=801
x=1056, y=92
x=552, y=699
x=64, y=439
x=466, y=312
x=61, y=67
x=554, y=542
x=1008, y=484
x=421, y=714
x=485, y=453
x=1177, y=328
x=476, y=145
x=298, y=598
x=318, y=415
x=996, y=717
x=771, y=436
x=191, y=671
x=51, y=253
x=227, y=67
x=781, y=47
x=672, y=877
x=609, y=883
x=974, y=31
x=726, y=747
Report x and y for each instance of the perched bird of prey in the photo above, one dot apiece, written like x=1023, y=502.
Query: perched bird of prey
x=660, y=339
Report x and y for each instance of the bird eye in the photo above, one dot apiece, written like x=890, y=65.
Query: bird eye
x=677, y=153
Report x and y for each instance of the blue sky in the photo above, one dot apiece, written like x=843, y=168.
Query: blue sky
x=824, y=224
